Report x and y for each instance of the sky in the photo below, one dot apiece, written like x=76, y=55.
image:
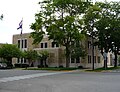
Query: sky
x=14, y=11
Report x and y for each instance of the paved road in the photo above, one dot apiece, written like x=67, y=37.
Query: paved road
x=64, y=82
x=13, y=72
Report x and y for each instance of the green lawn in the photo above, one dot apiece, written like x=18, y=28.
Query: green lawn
x=52, y=69
x=102, y=69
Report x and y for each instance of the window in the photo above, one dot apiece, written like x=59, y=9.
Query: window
x=25, y=60
x=18, y=60
x=45, y=45
x=94, y=47
x=18, y=43
x=22, y=43
x=77, y=60
x=25, y=43
x=98, y=59
x=21, y=60
x=55, y=44
x=72, y=60
x=94, y=59
x=89, y=44
x=41, y=45
x=89, y=59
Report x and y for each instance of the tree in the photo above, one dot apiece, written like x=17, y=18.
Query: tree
x=43, y=55
x=9, y=51
x=115, y=26
x=30, y=55
x=61, y=20
x=90, y=18
x=78, y=51
x=108, y=28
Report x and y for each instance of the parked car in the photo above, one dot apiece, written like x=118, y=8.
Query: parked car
x=3, y=65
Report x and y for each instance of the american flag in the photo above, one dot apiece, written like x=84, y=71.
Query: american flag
x=20, y=25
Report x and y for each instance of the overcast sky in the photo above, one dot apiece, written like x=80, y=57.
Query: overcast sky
x=14, y=11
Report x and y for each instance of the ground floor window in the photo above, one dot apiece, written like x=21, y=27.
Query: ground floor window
x=72, y=60
x=75, y=60
x=78, y=60
x=98, y=59
x=21, y=60
x=89, y=59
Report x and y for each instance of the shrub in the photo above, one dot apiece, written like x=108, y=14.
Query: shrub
x=40, y=66
x=18, y=65
x=80, y=67
x=60, y=66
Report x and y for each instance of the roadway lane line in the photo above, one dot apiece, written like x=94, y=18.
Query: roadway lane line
x=7, y=79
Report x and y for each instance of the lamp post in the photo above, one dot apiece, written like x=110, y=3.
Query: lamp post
x=105, y=60
x=115, y=50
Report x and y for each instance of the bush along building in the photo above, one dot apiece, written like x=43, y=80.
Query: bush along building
x=56, y=57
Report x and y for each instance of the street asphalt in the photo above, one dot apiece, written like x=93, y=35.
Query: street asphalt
x=45, y=81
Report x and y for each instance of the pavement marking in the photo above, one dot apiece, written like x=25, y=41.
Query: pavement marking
x=7, y=79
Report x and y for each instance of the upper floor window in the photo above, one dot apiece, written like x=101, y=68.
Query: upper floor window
x=89, y=44
x=46, y=45
x=22, y=43
x=55, y=44
x=25, y=43
x=18, y=43
x=41, y=45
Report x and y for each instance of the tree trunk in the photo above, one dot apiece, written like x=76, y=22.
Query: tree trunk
x=115, y=64
x=67, y=56
x=67, y=61
x=9, y=60
x=92, y=54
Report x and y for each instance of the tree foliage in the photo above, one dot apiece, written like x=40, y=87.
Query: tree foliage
x=61, y=21
x=43, y=55
x=9, y=51
x=30, y=55
x=108, y=27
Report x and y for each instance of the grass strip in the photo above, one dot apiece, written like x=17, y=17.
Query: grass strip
x=51, y=68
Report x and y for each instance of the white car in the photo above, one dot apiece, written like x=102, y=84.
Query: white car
x=3, y=65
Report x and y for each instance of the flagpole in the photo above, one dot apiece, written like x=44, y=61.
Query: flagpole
x=21, y=46
x=20, y=27
x=21, y=38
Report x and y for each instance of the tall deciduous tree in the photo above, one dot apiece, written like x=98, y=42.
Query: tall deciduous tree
x=115, y=27
x=9, y=51
x=91, y=16
x=61, y=20
x=109, y=28
x=30, y=55
x=43, y=55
